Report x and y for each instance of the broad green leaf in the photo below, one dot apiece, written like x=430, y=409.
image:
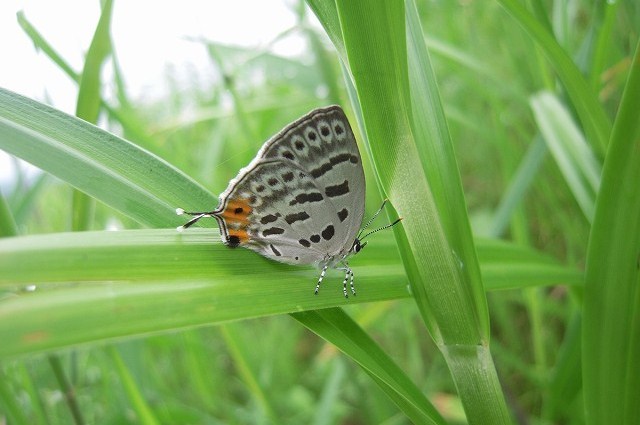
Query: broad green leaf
x=194, y=280
x=405, y=127
x=160, y=280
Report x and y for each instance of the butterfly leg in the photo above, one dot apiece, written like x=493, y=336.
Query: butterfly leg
x=344, y=284
x=348, y=277
x=322, y=273
x=353, y=288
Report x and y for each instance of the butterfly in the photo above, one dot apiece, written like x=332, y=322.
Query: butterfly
x=301, y=200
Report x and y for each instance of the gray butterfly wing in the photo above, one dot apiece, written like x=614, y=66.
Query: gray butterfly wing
x=301, y=200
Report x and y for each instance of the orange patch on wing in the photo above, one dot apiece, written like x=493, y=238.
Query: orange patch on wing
x=236, y=216
x=241, y=234
x=237, y=211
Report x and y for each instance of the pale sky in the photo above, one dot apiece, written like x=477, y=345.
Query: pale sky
x=148, y=35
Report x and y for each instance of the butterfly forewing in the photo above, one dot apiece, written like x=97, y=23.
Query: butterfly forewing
x=301, y=200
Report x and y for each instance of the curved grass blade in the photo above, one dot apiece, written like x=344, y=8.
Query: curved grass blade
x=102, y=165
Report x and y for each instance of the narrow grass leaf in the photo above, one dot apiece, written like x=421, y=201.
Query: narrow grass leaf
x=571, y=152
x=11, y=408
x=88, y=106
x=7, y=223
x=330, y=395
x=106, y=167
x=611, y=323
x=240, y=355
x=139, y=405
x=41, y=44
x=518, y=187
x=336, y=326
x=594, y=120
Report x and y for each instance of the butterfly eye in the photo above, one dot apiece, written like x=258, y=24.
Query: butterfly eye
x=357, y=246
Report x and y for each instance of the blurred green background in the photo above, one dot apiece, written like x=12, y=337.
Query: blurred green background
x=509, y=119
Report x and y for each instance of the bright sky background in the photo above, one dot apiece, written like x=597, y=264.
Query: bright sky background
x=149, y=36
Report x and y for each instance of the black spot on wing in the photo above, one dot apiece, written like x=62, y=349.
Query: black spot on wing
x=269, y=218
x=337, y=190
x=304, y=243
x=328, y=232
x=288, y=155
x=343, y=214
x=334, y=160
x=275, y=250
x=315, y=238
x=233, y=241
x=306, y=197
x=312, y=135
x=288, y=176
x=272, y=231
x=292, y=218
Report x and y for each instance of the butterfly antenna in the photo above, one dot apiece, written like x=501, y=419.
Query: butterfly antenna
x=197, y=216
x=372, y=218
x=381, y=228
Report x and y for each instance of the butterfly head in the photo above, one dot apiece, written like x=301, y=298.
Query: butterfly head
x=357, y=246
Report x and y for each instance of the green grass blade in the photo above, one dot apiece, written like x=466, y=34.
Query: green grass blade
x=594, y=120
x=191, y=277
x=106, y=167
x=330, y=395
x=136, y=273
x=605, y=22
x=10, y=407
x=67, y=389
x=239, y=354
x=336, y=326
x=518, y=187
x=611, y=325
x=88, y=105
x=327, y=14
x=7, y=223
x=139, y=405
x=41, y=43
x=565, y=380
x=389, y=121
x=508, y=266
x=438, y=162
x=435, y=241
x=571, y=152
